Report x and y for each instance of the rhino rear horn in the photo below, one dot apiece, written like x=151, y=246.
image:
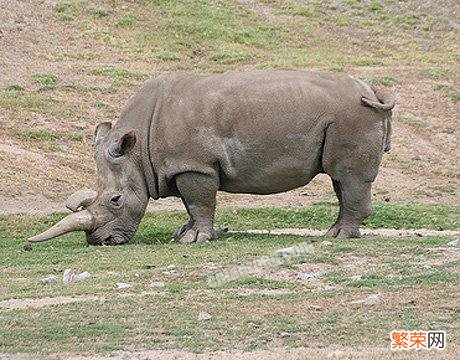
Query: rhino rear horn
x=81, y=199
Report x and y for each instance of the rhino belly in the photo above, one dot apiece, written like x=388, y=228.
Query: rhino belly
x=270, y=168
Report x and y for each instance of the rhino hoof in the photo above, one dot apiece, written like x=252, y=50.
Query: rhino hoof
x=343, y=232
x=188, y=236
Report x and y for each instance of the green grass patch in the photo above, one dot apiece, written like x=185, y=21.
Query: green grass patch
x=127, y=20
x=17, y=100
x=77, y=136
x=43, y=138
x=45, y=81
x=14, y=88
x=448, y=92
x=381, y=80
x=412, y=121
x=436, y=73
x=168, y=56
x=246, y=312
x=117, y=76
x=168, y=318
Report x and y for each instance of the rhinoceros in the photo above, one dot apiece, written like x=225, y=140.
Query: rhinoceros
x=257, y=132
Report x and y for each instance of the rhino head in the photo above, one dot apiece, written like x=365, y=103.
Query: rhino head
x=110, y=215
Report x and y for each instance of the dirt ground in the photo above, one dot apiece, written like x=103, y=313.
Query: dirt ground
x=37, y=174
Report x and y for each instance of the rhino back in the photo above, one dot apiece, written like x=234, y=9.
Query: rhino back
x=262, y=131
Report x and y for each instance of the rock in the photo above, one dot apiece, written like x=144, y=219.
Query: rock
x=68, y=276
x=82, y=276
x=330, y=287
x=284, y=334
x=453, y=243
x=305, y=276
x=157, y=284
x=49, y=280
x=27, y=247
x=50, y=2
x=286, y=251
x=372, y=299
x=122, y=285
x=171, y=267
x=326, y=243
x=356, y=277
x=204, y=316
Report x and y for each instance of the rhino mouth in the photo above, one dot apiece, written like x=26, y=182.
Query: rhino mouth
x=109, y=235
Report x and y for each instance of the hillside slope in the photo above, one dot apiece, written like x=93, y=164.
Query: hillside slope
x=65, y=66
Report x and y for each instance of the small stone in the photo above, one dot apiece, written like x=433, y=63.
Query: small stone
x=68, y=276
x=284, y=334
x=82, y=276
x=286, y=251
x=171, y=267
x=453, y=243
x=122, y=285
x=326, y=243
x=426, y=266
x=157, y=284
x=27, y=247
x=49, y=280
x=305, y=276
x=50, y=2
x=373, y=299
x=330, y=287
x=204, y=316
x=356, y=277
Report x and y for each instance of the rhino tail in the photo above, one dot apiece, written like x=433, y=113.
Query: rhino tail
x=386, y=100
x=387, y=131
x=386, y=103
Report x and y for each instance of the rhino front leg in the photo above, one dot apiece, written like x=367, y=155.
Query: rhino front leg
x=198, y=192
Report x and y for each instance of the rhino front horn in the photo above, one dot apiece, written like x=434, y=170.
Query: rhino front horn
x=80, y=221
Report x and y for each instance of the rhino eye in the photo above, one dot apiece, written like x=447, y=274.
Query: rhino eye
x=116, y=201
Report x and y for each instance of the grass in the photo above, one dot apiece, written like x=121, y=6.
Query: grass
x=412, y=121
x=45, y=81
x=381, y=80
x=448, y=92
x=248, y=313
x=15, y=99
x=43, y=138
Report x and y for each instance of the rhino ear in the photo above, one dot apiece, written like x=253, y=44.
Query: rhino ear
x=123, y=145
x=101, y=131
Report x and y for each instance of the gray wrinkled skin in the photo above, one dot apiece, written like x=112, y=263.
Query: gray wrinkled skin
x=259, y=132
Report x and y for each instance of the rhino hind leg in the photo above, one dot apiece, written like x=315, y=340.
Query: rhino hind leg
x=354, y=197
x=198, y=192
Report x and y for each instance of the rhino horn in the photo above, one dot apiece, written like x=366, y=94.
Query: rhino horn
x=82, y=198
x=80, y=221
